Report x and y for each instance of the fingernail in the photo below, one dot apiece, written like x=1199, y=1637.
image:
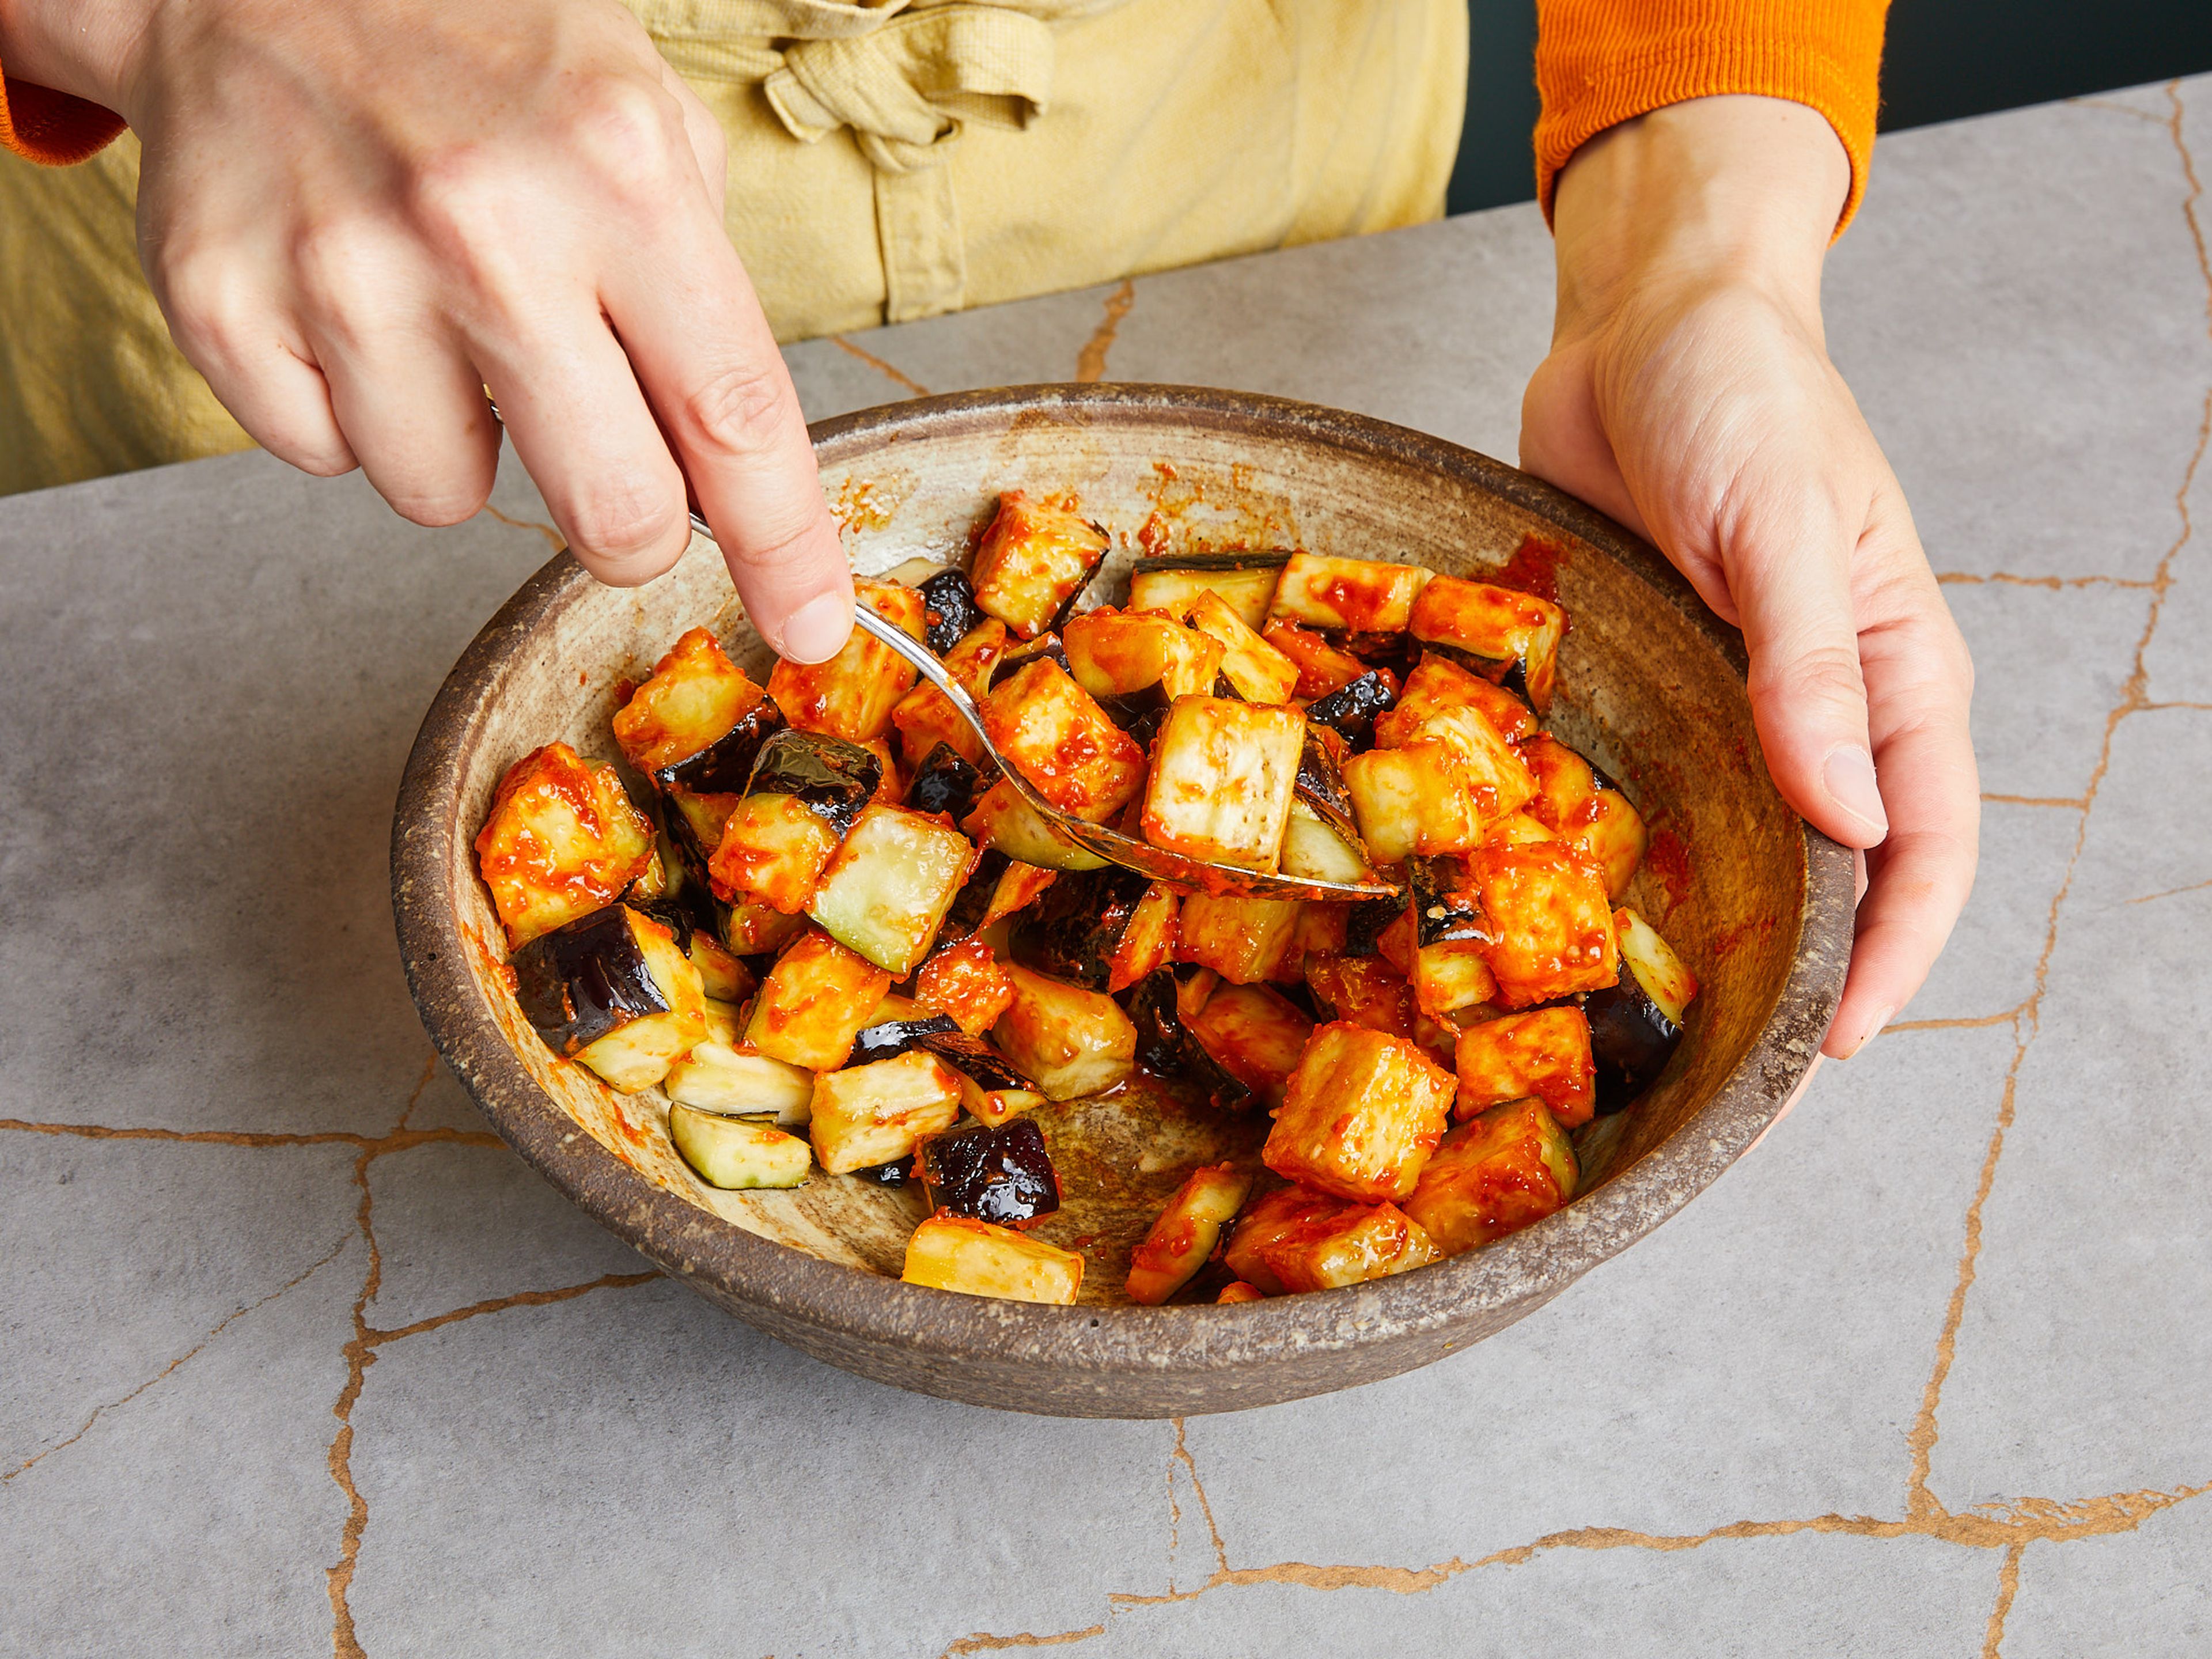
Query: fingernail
x=1850, y=779
x=1873, y=1028
x=816, y=631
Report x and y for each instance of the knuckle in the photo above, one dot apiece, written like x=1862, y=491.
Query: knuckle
x=336, y=261
x=625, y=130
x=634, y=532
x=209, y=301
x=738, y=408
x=1827, y=673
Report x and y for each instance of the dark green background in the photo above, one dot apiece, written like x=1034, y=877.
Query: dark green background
x=1945, y=58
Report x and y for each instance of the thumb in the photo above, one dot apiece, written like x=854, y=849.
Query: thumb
x=1789, y=573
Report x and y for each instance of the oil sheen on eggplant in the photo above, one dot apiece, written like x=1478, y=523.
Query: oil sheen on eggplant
x=1631, y=1040
x=584, y=980
x=1003, y=1176
x=952, y=612
x=1166, y=1048
x=945, y=782
x=1350, y=710
x=724, y=765
x=1069, y=933
x=834, y=778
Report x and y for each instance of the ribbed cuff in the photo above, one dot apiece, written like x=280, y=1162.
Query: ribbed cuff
x=1600, y=63
x=52, y=128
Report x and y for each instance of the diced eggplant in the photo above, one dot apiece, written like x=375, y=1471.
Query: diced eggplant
x=851, y=695
x=945, y=783
x=1255, y=1034
x=889, y=887
x=1269, y=1220
x=1149, y=941
x=773, y=850
x=1133, y=660
x=612, y=991
x=951, y=612
x=1244, y=939
x=814, y=1002
x=1320, y=849
x=1496, y=778
x=1035, y=560
x=1185, y=1232
x=1450, y=975
x=1544, y=1053
x=1514, y=637
x=869, y=1115
x=1224, y=775
x=894, y=1172
x=1364, y=990
x=991, y=1090
x=1517, y=829
x=888, y=1039
x=1351, y=1246
x=753, y=929
x=562, y=842
x=965, y=980
x=1045, y=646
x=1355, y=596
x=1259, y=672
x=925, y=717
x=724, y=765
x=1004, y=821
x=1438, y=682
x=1362, y=1114
x=719, y=1076
x=1072, y=933
x=1070, y=1041
x=1244, y=580
x=978, y=1258
x=1587, y=809
x=736, y=1155
x=1494, y=1174
x=1636, y=1025
x=1002, y=1175
x=1550, y=922
x=695, y=694
x=1324, y=670
x=1042, y=722
x=1350, y=711
x=720, y=970
x=1166, y=1048
x=1414, y=799
x=834, y=778
x=1368, y=920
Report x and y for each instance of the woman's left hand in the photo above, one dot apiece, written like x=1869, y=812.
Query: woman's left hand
x=1688, y=393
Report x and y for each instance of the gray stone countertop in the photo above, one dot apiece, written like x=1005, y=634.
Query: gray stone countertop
x=295, y=1357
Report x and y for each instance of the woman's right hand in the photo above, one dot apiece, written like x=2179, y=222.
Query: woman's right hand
x=359, y=218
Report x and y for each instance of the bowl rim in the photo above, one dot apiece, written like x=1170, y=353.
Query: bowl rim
x=788, y=1285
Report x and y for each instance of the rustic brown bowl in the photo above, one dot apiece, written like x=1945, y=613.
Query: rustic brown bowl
x=1651, y=684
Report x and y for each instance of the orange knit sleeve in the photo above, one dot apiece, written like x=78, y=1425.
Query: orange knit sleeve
x=1600, y=63
x=53, y=127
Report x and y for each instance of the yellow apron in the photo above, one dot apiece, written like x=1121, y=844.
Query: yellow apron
x=887, y=160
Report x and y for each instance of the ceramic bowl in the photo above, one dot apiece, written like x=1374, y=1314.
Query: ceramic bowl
x=1651, y=686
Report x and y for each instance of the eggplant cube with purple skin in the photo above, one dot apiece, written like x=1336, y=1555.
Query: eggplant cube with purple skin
x=1494, y=1174
x=1515, y=634
x=1417, y=798
x=1636, y=1024
x=1035, y=556
x=1070, y=1043
x=695, y=694
x=1002, y=1174
x=885, y=893
x=1053, y=731
x=1224, y=775
x=612, y=991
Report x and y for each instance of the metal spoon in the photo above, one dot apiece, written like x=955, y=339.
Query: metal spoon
x=1096, y=839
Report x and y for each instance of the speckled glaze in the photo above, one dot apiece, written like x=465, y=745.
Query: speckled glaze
x=1650, y=684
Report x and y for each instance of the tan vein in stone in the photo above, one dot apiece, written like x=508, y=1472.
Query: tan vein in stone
x=1967, y=578
x=553, y=538
x=1198, y=1490
x=221, y=1326
x=2155, y=707
x=2072, y=803
x=429, y=1071
x=2118, y=109
x=1921, y=1503
x=398, y=1141
x=890, y=371
x=981, y=1643
x=2007, y=1587
x=2172, y=892
x=359, y=1356
x=1978, y=1022
x=1091, y=362
x=376, y=1338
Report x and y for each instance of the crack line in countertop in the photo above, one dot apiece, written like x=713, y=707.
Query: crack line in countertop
x=2008, y=1588
x=1968, y=579
x=1921, y=1501
x=1090, y=361
x=892, y=372
x=553, y=537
